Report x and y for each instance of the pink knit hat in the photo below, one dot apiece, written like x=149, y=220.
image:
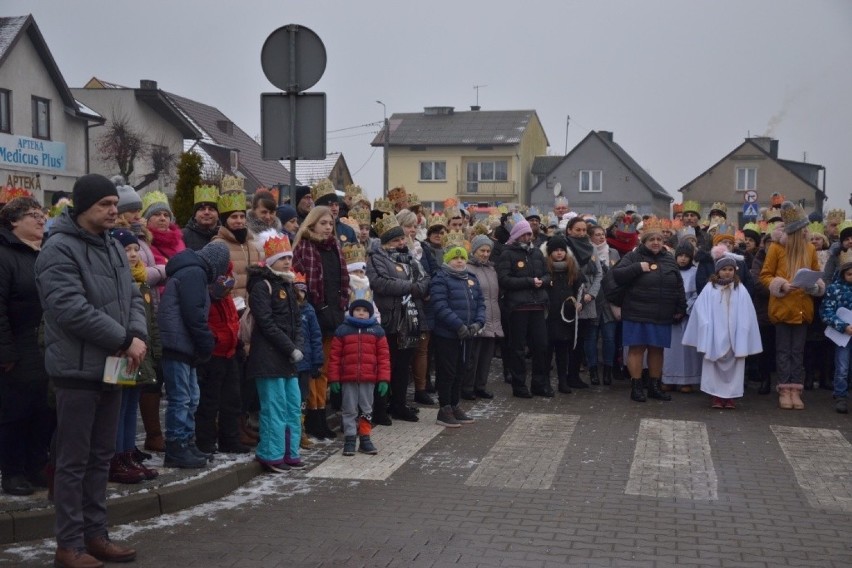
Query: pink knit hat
x=522, y=227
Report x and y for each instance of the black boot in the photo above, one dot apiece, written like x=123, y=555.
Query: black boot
x=765, y=383
x=322, y=424
x=637, y=393
x=607, y=375
x=593, y=376
x=563, y=385
x=809, y=380
x=655, y=392
x=312, y=425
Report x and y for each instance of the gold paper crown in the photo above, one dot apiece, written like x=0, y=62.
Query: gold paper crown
x=816, y=228
x=753, y=227
x=233, y=183
x=677, y=208
x=153, y=197
x=9, y=193
x=719, y=206
x=652, y=225
x=452, y=239
x=690, y=205
x=360, y=215
x=352, y=190
x=835, y=216
x=666, y=224
x=276, y=245
x=844, y=225
x=605, y=221
x=322, y=188
x=631, y=207
x=383, y=205
x=452, y=212
x=771, y=213
x=353, y=253
x=397, y=194
x=205, y=194
x=232, y=201
x=845, y=260
x=792, y=213
x=776, y=199
x=386, y=223
x=480, y=228
x=413, y=201
x=437, y=219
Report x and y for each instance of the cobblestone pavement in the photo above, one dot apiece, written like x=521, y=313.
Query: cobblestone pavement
x=585, y=479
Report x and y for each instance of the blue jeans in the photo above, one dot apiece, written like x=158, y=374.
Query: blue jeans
x=182, y=394
x=841, y=370
x=607, y=334
x=280, y=419
x=126, y=438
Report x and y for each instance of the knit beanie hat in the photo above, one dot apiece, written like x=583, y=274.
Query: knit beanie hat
x=793, y=216
x=90, y=189
x=453, y=253
x=557, y=242
x=391, y=234
x=361, y=304
x=128, y=199
x=124, y=236
x=155, y=202
x=216, y=256
x=301, y=191
x=520, y=228
x=285, y=213
x=845, y=230
x=480, y=241
x=723, y=262
x=685, y=248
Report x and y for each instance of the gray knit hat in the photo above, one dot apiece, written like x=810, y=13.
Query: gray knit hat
x=480, y=241
x=128, y=199
x=216, y=256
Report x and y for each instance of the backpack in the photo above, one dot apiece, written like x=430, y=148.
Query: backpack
x=247, y=323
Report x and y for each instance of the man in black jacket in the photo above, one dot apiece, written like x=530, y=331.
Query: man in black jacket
x=204, y=224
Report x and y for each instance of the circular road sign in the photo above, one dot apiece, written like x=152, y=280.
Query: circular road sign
x=310, y=58
x=750, y=196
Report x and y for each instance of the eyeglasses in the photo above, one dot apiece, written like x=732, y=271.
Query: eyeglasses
x=36, y=215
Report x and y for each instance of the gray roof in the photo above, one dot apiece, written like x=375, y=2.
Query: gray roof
x=634, y=167
x=543, y=165
x=467, y=128
x=312, y=171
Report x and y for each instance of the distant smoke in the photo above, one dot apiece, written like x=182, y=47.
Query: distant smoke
x=779, y=116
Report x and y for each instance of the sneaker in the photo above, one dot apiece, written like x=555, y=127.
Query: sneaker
x=294, y=462
x=729, y=404
x=840, y=406
x=716, y=402
x=447, y=418
x=274, y=466
x=460, y=416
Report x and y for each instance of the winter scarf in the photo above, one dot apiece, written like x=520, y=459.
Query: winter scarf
x=139, y=272
x=166, y=244
x=602, y=252
x=582, y=249
x=307, y=260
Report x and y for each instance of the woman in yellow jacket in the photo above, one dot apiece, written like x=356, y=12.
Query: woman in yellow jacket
x=791, y=308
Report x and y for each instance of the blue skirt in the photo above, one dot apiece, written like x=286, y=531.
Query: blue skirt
x=653, y=334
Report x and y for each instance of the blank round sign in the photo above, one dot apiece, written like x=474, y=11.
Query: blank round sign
x=310, y=58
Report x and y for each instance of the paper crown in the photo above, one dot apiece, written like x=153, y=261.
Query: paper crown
x=383, y=205
x=322, y=188
x=533, y=212
x=719, y=206
x=816, y=227
x=776, y=199
x=631, y=208
x=480, y=228
x=450, y=202
x=792, y=214
x=437, y=220
x=205, y=194
x=353, y=253
x=397, y=194
x=360, y=200
x=772, y=214
x=652, y=225
x=753, y=227
x=272, y=192
x=605, y=221
x=692, y=206
x=299, y=278
x=726, y=229
x=386, y=223
x=452, y=212
x=844, y=262
x=277, y=246
x=561, y=200
x=835, y=216
x=627, y=223
x=8, y=193
x=232, y=201
x=352, y=190
x=413, y=201
x=503, y=209
x=549, y=220
x=677, y=225
x=360, y=215
x=153, y=197
x=233, y=183
x=452, y=239
x=677, y=208
x=666, y=224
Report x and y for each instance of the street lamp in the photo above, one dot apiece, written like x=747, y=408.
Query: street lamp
x=386, y=140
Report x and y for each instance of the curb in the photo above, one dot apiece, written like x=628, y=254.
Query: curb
x=17, y=526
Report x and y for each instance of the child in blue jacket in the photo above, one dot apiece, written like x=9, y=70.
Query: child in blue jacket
x=311, y=364
x=839, y=295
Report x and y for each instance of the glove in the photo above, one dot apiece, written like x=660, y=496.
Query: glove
x=463, y=332
x=383, y=389
x=296, y=356
x=474, y=329
x=335, y=388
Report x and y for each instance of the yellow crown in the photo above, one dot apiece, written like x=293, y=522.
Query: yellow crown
x=397, y=194
x=452, y=212
x=352, y=190
x=232, y=201
x=605, y=221
x=353, y=253
x=413, y=201
x=452, y=239
x=383, y=205
x=205, y=194
x=845, y=260
x=752, y=227
x=719, y=206
x=771, y=213
x=835, y=216
x=844, y=225
x=792, y=213
x=277, y=245
x=233, y=183
x=652, y=225
x=816, y=227
x=153, y=197
x=437, y=219
x=322, y=188
x=360, y=215
x=386, y=223
x=690, y=205
x=360, y=200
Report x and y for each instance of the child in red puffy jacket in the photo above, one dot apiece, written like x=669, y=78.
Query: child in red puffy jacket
x=359, y=358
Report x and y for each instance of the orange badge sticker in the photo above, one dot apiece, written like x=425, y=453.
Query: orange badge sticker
x=282, y=294
x=398, y=268
x=343, y=238
x=521, y=264
x=653, y=267
x=470, y=283
x=147, y=298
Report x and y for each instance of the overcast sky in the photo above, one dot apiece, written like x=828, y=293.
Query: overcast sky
x=680, y=83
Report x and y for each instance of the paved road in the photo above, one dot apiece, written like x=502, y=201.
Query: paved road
x=586, y=479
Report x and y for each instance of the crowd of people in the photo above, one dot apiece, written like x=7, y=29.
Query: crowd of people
x=254, y=317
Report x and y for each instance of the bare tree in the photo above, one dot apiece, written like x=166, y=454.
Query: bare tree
x=163, y=162
x=123, y=145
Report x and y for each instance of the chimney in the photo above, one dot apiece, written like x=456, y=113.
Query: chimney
x=148, y=84
x=438, y=111
x=475, y=107
x=606, y=134
x=773, y=148
x=225, y=126
x=763, y=142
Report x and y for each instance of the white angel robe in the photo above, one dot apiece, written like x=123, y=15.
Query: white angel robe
x=723, y=328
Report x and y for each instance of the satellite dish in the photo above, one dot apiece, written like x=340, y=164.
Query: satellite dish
x=557, y=189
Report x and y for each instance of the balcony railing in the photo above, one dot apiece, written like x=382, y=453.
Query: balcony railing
x=503, y=190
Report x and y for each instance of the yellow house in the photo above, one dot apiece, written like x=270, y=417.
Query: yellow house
x=474, y=156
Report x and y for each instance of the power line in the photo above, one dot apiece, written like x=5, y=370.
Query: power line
x=365, y=163
x=354, y=127
x=373, y=132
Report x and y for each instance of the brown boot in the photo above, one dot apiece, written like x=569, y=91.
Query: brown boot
x=75, y=558
x=149, y=408
x=796, y=399
x=305, y=442
x=120, y=472
x=785, y=399
x=103, y=548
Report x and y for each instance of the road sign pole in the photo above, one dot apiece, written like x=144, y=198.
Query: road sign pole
x=293, y=89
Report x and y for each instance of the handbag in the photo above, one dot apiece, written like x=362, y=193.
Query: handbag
x=613, y=292
x=409, y=328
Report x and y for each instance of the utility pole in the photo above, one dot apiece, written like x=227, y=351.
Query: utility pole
x=386, y=140
x=567, y=122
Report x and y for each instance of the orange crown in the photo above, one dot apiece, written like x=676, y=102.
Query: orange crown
x=277, y=246
x=9, y=193
x=299, y=279
x=776, y=199
x=677, y=208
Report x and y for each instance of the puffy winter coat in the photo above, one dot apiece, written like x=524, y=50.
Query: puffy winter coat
x=195, y=237
x=558, y=291
x=225, y=325
x=837, y=295
x=243, y=256
x=456, y=301
x=793, y=307
x=277, y=325
x=311, y=340
x=20, y=311
x=92, y=308
x=390, y=281
x=487, y=277
x=184, y=310
x=655, y=296
x=516, y=269
x=359, y=353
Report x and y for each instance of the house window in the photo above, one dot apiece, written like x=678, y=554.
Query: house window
x=41, y=118
x=491, y=171
x=591, y=181
x=5, y=110
x=746, y=179
x=433, y=171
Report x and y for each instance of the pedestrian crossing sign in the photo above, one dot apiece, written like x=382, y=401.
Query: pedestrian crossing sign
x=750, y=210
